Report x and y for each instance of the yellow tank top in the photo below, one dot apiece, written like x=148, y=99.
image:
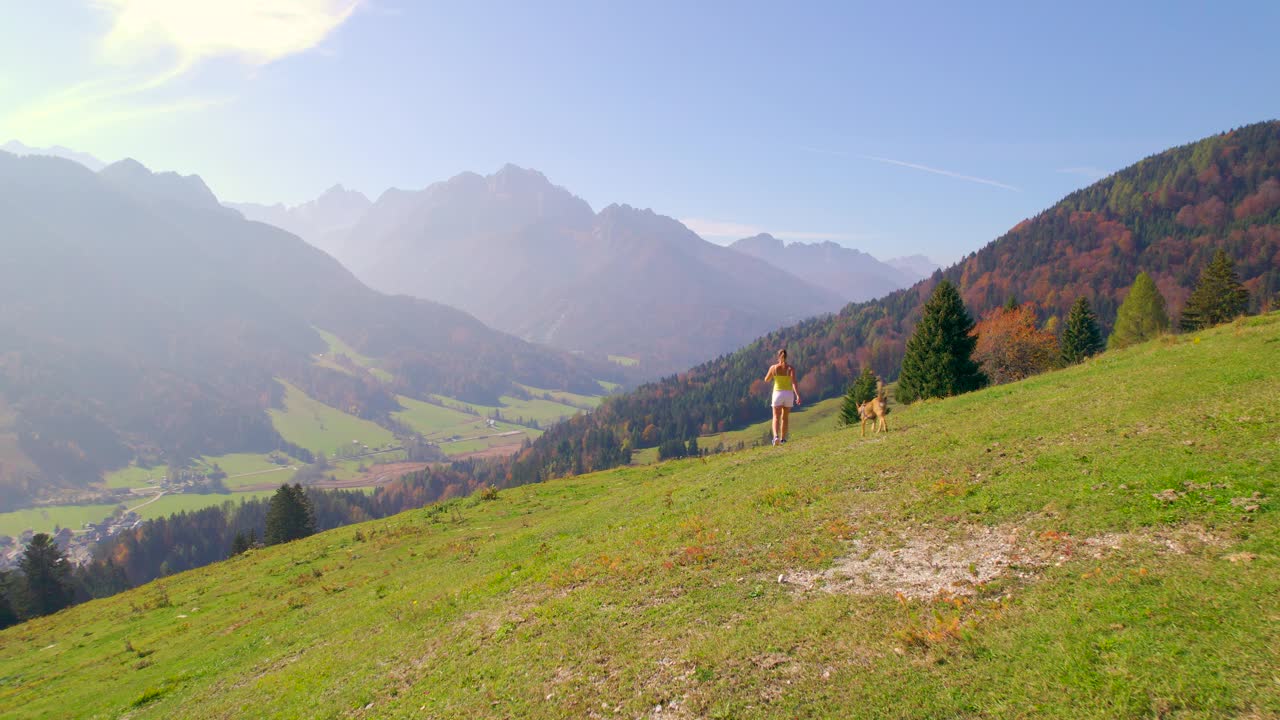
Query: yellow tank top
x=781, y=382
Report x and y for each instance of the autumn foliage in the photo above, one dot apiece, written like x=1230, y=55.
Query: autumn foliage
x=1011, y=347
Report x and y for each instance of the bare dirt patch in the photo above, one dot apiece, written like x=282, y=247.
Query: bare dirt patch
x=930, y=563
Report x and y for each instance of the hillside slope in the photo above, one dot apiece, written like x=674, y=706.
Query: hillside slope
x=1096, y=542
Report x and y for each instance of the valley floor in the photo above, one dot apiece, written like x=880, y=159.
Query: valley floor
x=1098, y=542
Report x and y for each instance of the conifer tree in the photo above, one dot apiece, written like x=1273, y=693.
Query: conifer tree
x=1141, y=316
x=862, y=390
x=938, y=361
x=289, y=515
x=1218, y=296
x=1081, y=338
x=47, y=576
x=8, y=600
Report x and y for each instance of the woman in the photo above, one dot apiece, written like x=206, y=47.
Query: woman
x=785, y=395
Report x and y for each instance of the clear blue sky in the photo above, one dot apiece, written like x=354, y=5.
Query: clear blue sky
x=895, y=130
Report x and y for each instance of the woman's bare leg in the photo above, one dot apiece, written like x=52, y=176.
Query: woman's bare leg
x=786, y=418
x=777, y=422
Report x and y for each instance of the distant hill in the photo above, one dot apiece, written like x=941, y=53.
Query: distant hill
x=1165, y=215
x=16, y=148
x=851, y=274
x=323, y=222
x=139, y=317
x=531, y=258
x=1037, y=550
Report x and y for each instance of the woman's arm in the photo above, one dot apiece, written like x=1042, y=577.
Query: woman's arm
x=769, y=375
x=795, y=386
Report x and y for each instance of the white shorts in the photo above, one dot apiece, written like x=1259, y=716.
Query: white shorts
x=784, y=398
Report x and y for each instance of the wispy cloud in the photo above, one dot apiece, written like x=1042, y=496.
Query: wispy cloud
x=729, y=230
x=152, y=45
x=915, y=166
x=944, y=173
x=1090, y=172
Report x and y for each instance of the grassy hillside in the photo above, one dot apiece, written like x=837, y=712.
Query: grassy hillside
x=1097, y=542
x=320, y=428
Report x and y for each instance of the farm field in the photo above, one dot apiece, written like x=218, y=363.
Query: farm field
x=1029, y=550
x=545, y=412
x=135, y=477
x=313, y=425
x=565, y=397
x=44, y=519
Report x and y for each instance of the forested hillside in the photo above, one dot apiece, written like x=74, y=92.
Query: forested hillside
x=1166, y=215
x=139, y=319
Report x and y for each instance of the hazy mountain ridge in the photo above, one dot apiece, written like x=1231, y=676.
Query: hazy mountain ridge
x=154, y=320
x=323, y=222
x=529, y=257
x=89, y=161
x=852, y=274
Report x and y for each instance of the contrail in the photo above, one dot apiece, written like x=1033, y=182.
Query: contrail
x=939, y=171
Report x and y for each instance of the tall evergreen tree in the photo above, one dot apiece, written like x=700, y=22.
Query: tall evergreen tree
x=1082, y=338
x=1218, y=296
x=46, y=575
x=862, y=390
x=938, y=361
x=1142, y=315
x=8, y=600
x=289, y=516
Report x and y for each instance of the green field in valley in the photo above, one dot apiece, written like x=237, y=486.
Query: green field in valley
x=45, y=519
x=1097, y=542
x=311, y=424
x=135, y=477
x=624, y=360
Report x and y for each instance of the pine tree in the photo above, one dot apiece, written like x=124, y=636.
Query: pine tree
x=8, y=600
x=239, y=543
x=862, y=390
x=938, y=361
x=1218, y=296
x=289, y=515
x=1082, y=338
x=1141, y=316
x=47, y=576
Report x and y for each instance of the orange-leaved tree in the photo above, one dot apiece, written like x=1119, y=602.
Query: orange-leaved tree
x=1011, y=346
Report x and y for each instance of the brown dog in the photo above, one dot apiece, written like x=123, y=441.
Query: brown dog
x=874, y=408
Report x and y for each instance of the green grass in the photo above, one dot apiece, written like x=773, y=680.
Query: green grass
x=135, y=477
x=433, y=421
x=545, y=412
x=609, y=386
x=338, y=346
x=565, y=397
x=320, y=428
x=186, y=502
x=44, y=519
x=612, y=593
x=624, y=361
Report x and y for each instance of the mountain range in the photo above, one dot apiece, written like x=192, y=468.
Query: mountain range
x=531, y=258
x=324, y=222
x=141, y=318
x=851, y=274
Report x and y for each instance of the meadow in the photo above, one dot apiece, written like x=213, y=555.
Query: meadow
x=311, y=424
x=1097, y=542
